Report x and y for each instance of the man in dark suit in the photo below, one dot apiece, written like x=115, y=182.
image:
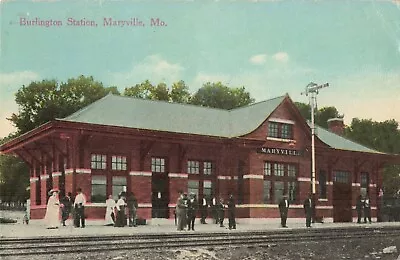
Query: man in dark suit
x=359, y=208
x=203, y=209
x=283, y=210
x=231, y=212
x=367, y=210
x=308, y=210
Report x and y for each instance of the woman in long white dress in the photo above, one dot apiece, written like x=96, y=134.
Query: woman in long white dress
x=110, y=215
x=52, y=217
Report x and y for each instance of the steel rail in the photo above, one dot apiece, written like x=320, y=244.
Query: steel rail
x=19, y=247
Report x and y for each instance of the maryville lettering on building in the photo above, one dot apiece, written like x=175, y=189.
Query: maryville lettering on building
x=278, y=151
x=132, y=22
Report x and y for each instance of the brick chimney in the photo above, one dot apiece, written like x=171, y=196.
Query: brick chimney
x=336, y=125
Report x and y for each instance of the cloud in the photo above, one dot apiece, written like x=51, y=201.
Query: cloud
x=281, y=56
x=153, y=67
x=9, y=84
x=368, y=94
x=258, y=59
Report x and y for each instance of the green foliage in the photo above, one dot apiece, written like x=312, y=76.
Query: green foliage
x=218, y=95
x=383, y=137
x=14, y=179
x=180, y=92
x=321, y=115
x=43, y=101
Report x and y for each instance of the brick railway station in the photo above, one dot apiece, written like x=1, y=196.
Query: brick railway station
x=258, y=153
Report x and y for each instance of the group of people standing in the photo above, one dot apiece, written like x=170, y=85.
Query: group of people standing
x=363, y=207
x=284, y=209
x=122, y=212
x=187, y=206
x=66, y=205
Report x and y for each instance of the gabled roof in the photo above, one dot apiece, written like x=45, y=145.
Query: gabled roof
x=136, y=113
x=130, y=112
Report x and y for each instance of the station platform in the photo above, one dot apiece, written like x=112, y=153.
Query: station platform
x=37, y=228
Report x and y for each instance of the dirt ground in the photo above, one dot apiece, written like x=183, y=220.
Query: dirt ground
x=365, y=248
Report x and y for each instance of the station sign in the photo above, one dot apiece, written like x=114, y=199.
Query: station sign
x=279, y=151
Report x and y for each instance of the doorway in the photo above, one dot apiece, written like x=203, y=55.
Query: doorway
x=159, y=188
x=342, y=207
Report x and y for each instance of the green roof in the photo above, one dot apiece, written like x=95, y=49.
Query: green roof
x=131, y=112
x=137, y=113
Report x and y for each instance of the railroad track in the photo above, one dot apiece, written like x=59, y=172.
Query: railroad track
x=64, y=245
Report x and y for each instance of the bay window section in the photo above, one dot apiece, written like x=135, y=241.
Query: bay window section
x=279, y=179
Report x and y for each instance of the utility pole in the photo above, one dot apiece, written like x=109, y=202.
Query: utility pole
x=312, y=92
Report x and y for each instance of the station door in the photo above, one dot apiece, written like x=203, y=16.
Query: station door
x=342, y=206
x=160, y=188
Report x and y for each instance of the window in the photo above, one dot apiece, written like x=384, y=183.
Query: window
x=193, y=167
x=157, y=164
x=292, y=191
x=364, y=184
x=267, y=168
x=98, y=161
x=279, y=169
x=118, y=163
x=322, y=184
x=292, y=170
x=267, y=192
x=279, y=179
x=193, y=187
x=286, y=131
x=99, y=188
x=280, y=130
x=207, y=168
x=278, y=191
x=207, y=189
x=273, y=129
x=118, y=185
x=341, y=176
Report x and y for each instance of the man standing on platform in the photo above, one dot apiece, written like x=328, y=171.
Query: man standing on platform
x=308, y=210
x=79, y=206
x=180, y=211
x=283, y=210
x=66, y=207
x=132, y=209
x=359, y=208
x=203, y=210
x=231, y=212
x=367, y=210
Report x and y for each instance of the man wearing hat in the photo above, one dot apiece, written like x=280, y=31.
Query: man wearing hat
x=283, y=210
x=191, y=210
x=52, y=210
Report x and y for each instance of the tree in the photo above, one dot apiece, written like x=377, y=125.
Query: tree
x=14, y=179
x=218, y=95
x=321, y=115
x=38, y=103
x=42, y=101
x=180, y=92
x=381, y=136
x=143, y=90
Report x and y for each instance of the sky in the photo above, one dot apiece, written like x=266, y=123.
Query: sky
x=270, y=47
